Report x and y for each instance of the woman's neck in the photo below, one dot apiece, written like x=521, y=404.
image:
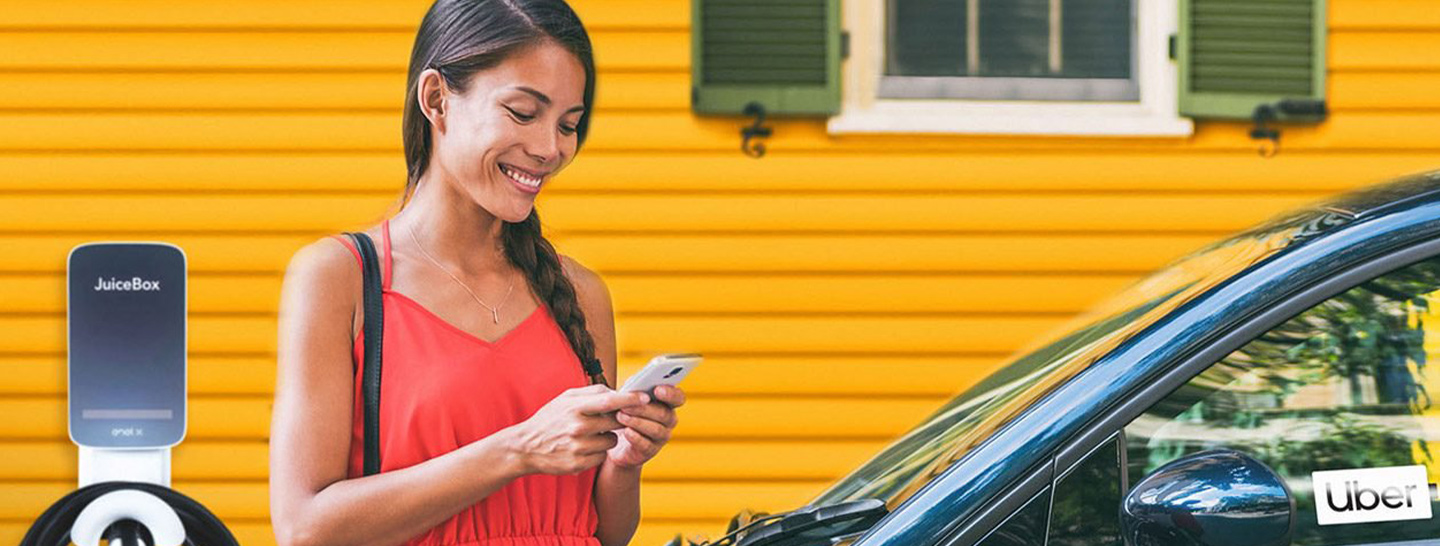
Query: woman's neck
x=451, y=227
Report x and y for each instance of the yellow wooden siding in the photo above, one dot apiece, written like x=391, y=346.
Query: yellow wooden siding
x=867, y=276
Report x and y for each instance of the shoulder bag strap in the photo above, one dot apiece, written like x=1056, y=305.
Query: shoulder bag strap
x=374, y=335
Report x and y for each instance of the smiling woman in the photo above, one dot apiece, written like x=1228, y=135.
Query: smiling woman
x=490, y=431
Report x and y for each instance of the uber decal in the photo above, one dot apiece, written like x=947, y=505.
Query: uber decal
x=1365, y=495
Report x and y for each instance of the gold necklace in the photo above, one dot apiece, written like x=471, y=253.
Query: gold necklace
x=494, y=311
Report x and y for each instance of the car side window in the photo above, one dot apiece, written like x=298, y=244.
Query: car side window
x=1026, y=527
x=1086, y=510
x=1344, y=385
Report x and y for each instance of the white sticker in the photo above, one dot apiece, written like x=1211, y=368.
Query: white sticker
x=1365, y=495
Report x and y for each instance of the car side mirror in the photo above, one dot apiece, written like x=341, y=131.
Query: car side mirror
x=1213, y=498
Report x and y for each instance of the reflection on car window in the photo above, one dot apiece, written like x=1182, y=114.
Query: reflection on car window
x=967, y=419
x=1343, y=385
x=894, y=467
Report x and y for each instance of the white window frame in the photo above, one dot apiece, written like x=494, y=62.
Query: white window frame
x=1155, y=114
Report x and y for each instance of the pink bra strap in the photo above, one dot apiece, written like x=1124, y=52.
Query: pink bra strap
x=385, y=251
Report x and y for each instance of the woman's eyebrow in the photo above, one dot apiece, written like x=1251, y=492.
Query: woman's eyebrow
x=542, y=98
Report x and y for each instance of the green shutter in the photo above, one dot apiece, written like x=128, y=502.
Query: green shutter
x=1237, y=54
x=783, y=54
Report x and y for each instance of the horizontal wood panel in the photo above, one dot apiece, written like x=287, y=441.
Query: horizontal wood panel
x=328, y=14
x=1383, y=14
x=249, y=501
x=388, y=50
x=592, y=213
x=702, y=417
x=680, y=460
x=227, y=51
x=1384, y=90
x=384, y=92
x=705, y=254
x=648, y=294
x=597, y=14
x=660, y=131
x=723, y=374
x=872, y=170
x=720, y=334
x=1385, y=50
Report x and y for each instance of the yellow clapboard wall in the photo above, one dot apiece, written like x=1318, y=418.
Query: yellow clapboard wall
x=867, y=277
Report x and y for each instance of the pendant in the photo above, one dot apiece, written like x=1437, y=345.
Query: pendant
x=496, y=314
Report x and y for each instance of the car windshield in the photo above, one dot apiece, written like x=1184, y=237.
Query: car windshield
x=973, y=415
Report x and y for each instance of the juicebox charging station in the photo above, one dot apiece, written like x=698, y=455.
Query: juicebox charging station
x=126, y=312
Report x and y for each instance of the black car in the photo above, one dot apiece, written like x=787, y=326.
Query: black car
x=1272, y=388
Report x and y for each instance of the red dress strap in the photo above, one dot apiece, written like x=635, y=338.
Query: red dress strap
x=345, y=240
x=384, y=252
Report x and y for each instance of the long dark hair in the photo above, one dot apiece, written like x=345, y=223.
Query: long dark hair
x=458, y=38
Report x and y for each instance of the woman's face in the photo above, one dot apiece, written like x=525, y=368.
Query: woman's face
x=505, y=138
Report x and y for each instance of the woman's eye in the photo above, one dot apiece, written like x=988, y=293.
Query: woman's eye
x=519, y=116
x=567, y=130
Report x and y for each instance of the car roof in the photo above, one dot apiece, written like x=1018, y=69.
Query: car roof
x=1314, y=244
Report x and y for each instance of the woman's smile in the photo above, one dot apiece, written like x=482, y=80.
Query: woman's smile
x=527, y=182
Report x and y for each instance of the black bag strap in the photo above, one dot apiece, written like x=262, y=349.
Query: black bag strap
x=374, y=334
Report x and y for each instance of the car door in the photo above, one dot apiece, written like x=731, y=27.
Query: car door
x=1346, y=384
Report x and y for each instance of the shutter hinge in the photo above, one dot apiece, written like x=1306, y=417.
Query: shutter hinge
x=844, y=45
x=1174, y=47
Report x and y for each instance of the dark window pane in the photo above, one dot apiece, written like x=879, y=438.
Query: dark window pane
x=1095, y=39
x=1026, y=527
x=927, y=38
x=1343, y=385
x=1014, y=38
x=1087, y=501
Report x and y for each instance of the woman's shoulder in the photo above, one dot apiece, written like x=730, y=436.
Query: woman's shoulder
x=585, y=280
x=590, y=289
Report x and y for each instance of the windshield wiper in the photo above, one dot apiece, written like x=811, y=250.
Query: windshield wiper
x=800, y=526
x=818, y=524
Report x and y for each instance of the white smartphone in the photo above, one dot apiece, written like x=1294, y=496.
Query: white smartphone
x=666, y=369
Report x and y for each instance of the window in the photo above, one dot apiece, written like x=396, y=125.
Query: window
x=1060, y=67
x=1343, y=385
x=1026, y=527
x=1087, y=501
x=1077, y=67
x=1080, y=50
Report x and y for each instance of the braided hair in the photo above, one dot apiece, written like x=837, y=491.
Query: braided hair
x=458, y=38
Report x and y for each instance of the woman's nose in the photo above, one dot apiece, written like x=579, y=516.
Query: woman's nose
x=544, y=147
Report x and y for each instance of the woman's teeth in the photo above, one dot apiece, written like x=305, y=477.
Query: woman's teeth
x=520, y=177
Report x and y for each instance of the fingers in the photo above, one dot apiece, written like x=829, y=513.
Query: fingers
x=611, y=401
x=657, y=412
x=588, y=389
x=671, y=395
x=598, y=442
x=638, y=440
x=653, y=430
x=595, y=424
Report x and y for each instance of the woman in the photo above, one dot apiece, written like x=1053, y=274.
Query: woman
x=491, y=433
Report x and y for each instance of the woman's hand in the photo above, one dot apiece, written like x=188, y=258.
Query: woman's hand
x=647, y=427
x=572, y=431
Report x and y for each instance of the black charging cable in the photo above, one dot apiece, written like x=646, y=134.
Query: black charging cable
x=202, y=528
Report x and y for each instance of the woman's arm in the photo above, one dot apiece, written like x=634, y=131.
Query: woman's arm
x=617, y=489
x=311, y=501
